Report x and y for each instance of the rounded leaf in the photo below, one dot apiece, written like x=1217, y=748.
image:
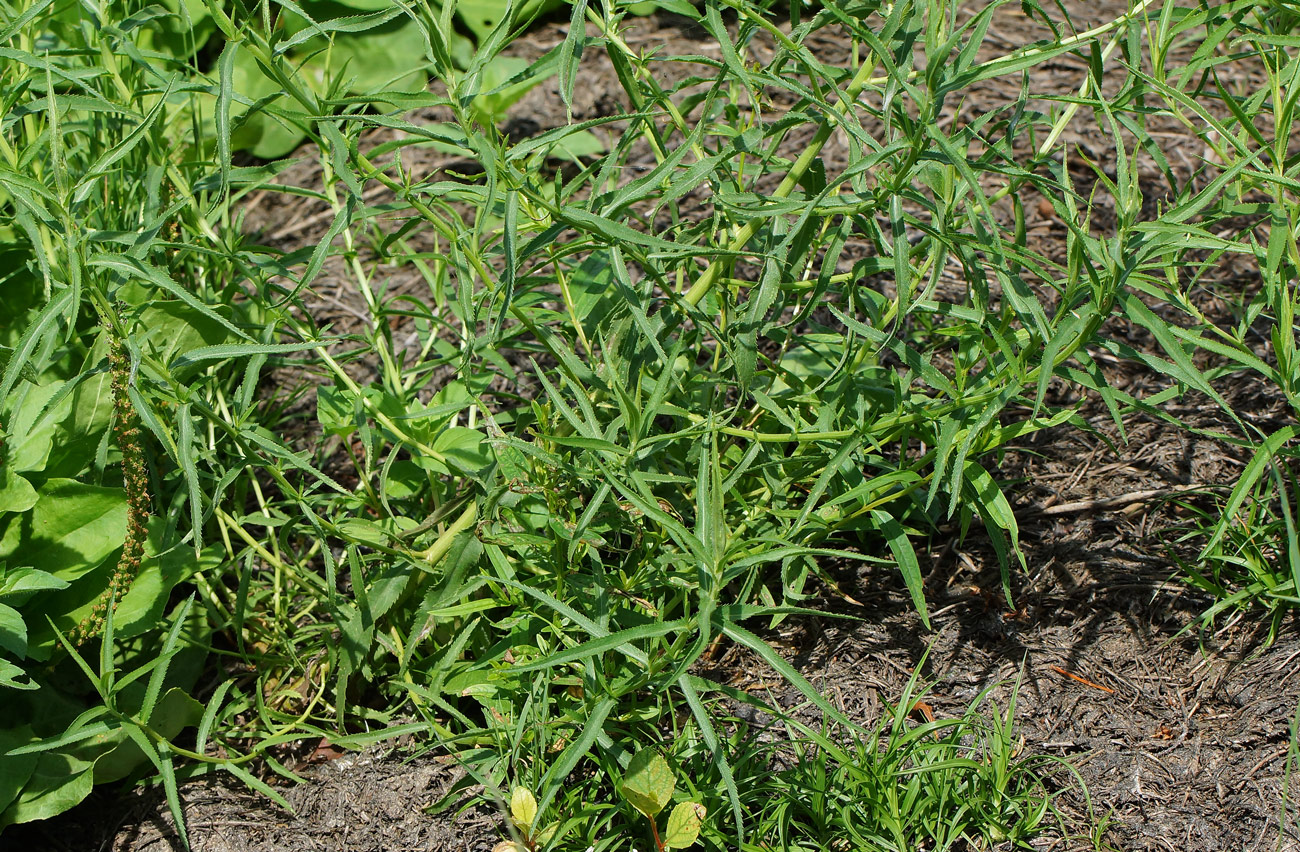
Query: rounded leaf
x=523, y=808
x=684, y=825
x=648, y=785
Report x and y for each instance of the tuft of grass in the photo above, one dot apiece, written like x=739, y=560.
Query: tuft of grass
x=904, y=782
x=938, y=784
x=1250, y=553
x=1246, y=212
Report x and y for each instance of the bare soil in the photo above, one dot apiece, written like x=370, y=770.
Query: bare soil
x=1179, y=733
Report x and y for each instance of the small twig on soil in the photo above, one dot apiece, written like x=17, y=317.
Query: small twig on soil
x=1265, y=761
x=1081, y=680
x=1117, y=500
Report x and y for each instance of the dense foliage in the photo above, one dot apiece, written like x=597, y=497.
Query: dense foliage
x=615, y=430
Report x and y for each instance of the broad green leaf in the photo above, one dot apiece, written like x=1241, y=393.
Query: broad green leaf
x=28, y=448
x=18, y=583
x=16, y=493
x=70, y=530
x=684, y=825
x=523, y=808
x=81, y=420
x=12, y=677
x=384, y=51
x=25, y=349
x=337, y=410
x=259, y=132
x=15, y=769
x=13, y=632
x=579, y=145
x=465, y=449
x=648, y=784
x=23, y=296
x=132, y=269
x=58, y=782
x=174, y=712
x=141, y=608
x=480, y=16
x=175, y=330
x=503, y=82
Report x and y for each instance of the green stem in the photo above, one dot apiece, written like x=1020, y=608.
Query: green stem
x=710, y=275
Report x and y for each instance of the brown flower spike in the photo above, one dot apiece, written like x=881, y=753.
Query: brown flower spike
x=126, y=428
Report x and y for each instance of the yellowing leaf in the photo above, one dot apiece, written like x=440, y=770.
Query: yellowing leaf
x=523, y=808
x=684, y=825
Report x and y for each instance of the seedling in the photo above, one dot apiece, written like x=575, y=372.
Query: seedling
x=648, y=786
x=523, y=813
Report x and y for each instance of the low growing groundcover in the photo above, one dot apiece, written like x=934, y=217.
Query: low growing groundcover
x=726, y=426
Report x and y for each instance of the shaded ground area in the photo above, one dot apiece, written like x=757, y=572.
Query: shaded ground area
x=358, y=802
x=1179, y=734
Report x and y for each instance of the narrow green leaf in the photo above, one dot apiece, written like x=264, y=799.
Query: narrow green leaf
x=595, y=647
x=1249, y=477
x=185, y=454
x=45, y=323
x=136, y=270
x=901, y=546
x=574, y=751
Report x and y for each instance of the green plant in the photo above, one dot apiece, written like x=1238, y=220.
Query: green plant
x=728, y=399
x=125, y=322
x=1248, y=210
x=82, y=546
x=372, y=50
x=523, y=815
x=658, y=374
x=899, y=783
x=1250, y=551
x=725, y=400
x=938, y=784
x=648, y=786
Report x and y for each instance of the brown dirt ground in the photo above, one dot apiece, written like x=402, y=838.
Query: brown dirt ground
x=1180, y=734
